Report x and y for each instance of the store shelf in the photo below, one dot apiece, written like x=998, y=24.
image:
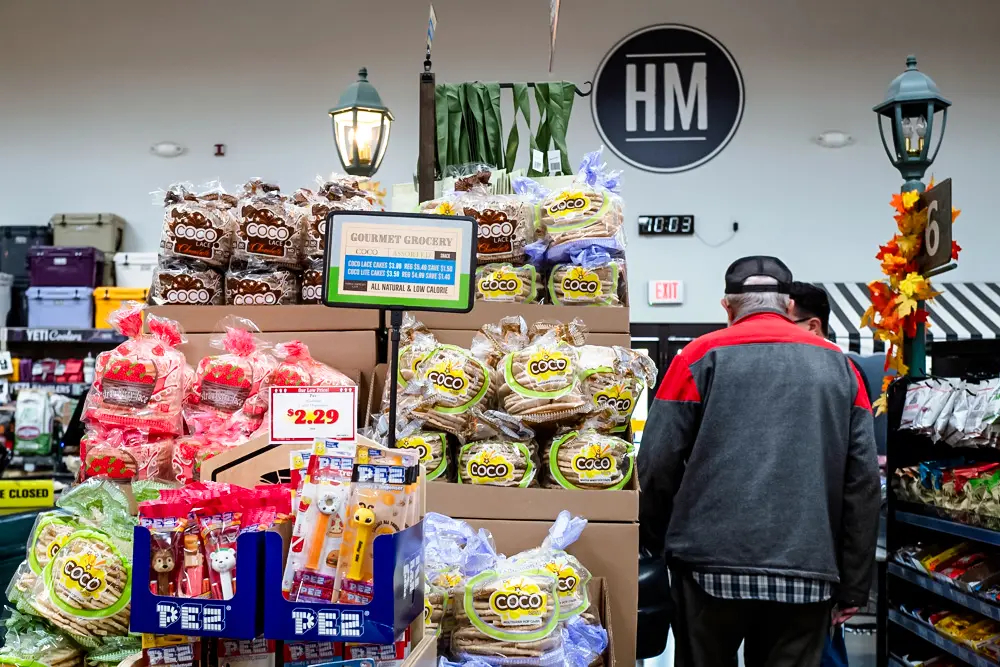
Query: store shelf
x=74, y=389
x=976, y=604
x=79, y=336
x=927, y=633
x=984, y=535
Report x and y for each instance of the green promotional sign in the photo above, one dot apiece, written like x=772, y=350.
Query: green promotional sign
x=402, y=261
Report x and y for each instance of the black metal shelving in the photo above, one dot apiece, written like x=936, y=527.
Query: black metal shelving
x=971, y=602
x=963, y=653
x=950, y=527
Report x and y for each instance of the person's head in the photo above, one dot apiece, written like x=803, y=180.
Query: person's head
x=810, y=308
x=756, y=284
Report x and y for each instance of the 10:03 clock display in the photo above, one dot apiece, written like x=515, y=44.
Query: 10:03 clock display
x=666, y=224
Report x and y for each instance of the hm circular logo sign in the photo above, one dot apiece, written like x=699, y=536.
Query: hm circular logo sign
x=668, y=98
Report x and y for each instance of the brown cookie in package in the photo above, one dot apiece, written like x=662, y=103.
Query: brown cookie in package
x=581, y=212
x=312, y=282
x=256, y=287
x=604, y=285
x=191, y=283
x=613, y=379
x=269, y=231
x=198, y=227
x=541, y=384
x=451, y=382
x=314, y=207
x=586, y=459
x=508, y=283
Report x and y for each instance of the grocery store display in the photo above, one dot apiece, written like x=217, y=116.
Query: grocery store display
x=954, y=411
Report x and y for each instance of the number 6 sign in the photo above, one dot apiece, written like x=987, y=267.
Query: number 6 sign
x=935, y=251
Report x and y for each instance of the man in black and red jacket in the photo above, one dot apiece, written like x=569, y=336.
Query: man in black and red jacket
x=760, y=482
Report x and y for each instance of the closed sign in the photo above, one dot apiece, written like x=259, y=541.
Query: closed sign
x=668, y=98
x=665, y=291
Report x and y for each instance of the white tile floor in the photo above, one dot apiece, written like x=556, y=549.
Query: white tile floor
x=860, y=650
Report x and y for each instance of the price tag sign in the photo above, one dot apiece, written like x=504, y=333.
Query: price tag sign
x=26, y=494
x=400, y=260
x=306, y=414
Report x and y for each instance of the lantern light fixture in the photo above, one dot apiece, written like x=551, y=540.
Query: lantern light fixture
x=917, y=114
x=361, y=126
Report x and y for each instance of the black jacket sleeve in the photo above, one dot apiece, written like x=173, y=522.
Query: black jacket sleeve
x=861, y=504
x=666, y=442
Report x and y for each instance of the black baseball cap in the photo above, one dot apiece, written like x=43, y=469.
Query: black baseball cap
x=812, y=301
x=758, y=265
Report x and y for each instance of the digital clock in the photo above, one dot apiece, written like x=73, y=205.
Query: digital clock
x=666, y=224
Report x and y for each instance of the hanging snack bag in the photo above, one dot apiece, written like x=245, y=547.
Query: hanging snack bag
x=32, y=423
x=508, y=283
x=597, y=281
x=268, y=231
x=552, y=556
x=198, y=227
x=451, y=381
x=541, y=384
x=140, y=384
x=296, y=368
x=613, y=379
x=587, y=214
x=220, y=396
x=179, y=282
x=587, y=459
x=380, y=504
x=509, y=616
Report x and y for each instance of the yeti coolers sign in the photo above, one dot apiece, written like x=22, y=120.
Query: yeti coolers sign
x=668, y=98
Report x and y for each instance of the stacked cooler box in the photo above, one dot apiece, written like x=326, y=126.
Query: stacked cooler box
x=15, y=242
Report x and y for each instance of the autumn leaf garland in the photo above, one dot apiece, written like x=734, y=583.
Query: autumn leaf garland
x=894, y=312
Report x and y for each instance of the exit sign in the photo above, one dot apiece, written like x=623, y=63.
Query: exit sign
x=665, y=291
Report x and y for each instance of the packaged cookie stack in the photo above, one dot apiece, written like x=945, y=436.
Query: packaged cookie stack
x=529, y=609
x=258, y=248
x=522, y=407
x=76, y=583
x=581, y=237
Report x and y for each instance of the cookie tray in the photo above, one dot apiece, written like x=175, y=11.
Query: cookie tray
x=240, y=617
x=397, y=596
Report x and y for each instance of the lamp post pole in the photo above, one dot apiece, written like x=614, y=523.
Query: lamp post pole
x=427, y=138
x=910, y=106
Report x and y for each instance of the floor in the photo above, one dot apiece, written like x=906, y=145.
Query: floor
x=860, y=650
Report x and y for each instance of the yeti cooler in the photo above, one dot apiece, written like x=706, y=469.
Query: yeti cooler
x=66, y=267
x=103, y=231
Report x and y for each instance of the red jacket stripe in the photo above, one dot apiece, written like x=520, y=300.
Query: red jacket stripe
x=678, y=384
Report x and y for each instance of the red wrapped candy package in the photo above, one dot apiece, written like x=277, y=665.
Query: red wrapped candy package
x=140, y=384
x=190, y=452
x=221, y=398
x=297, y=368
x=125, y=454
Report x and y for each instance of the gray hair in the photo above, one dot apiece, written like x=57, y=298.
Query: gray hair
x=749, y=303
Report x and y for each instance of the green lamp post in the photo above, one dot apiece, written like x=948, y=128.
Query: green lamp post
x=361, y=127
x=913, y=108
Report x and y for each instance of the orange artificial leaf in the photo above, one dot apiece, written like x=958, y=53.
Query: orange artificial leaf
x=881, y=405
x=890, y=248
x=897, y=203
x=906, y=305
x=931, y=185
x=893, y=264
x=955, y=212
x=955, y=249
x=908, y=245
x=910, y=199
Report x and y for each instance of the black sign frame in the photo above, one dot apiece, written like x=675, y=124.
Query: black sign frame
x=595, y=100
x=937, y=202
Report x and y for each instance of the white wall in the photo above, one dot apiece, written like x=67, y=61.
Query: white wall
x=87, y=87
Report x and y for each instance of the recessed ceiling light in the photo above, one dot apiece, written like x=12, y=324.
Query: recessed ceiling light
x=834, y=139
x=166, y=149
